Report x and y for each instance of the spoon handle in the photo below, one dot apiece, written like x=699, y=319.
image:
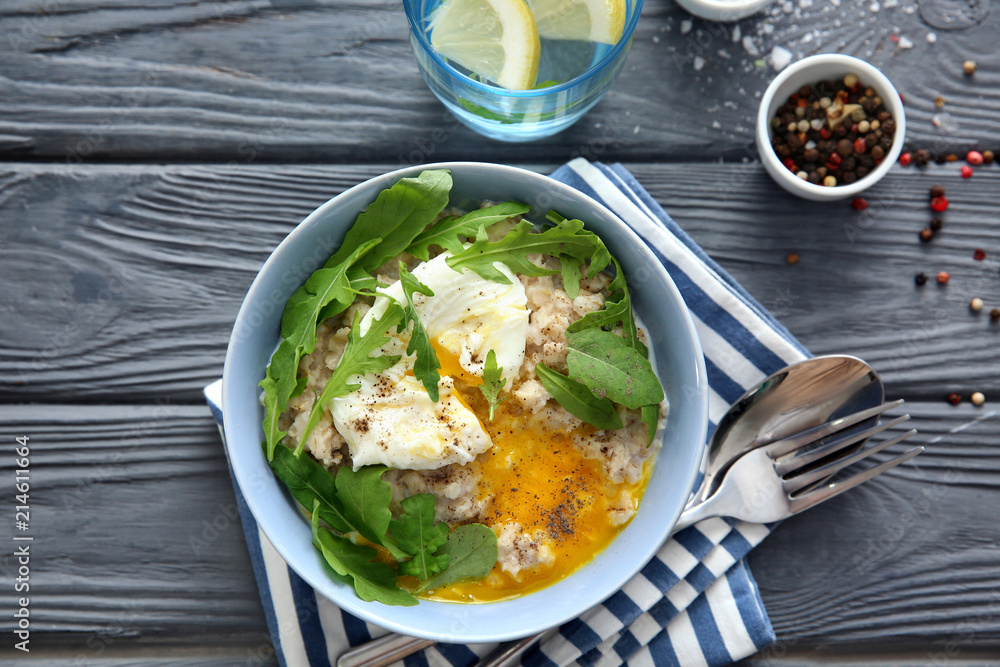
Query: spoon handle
x=382, y=651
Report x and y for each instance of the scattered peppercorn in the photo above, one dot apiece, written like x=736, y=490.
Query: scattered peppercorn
x=937, y=191
x=995, y=314
x=926, y=234
x=922, y=157
x=859, y=203
x=905, y=158
x=969, y=67
x=966, y=171
x=951, y=157
x=977, y=398
x=943, y=277
x=920, y=279
x=793, y=258
x=975, y=158
x=939, y=101
x=979, y=254
x=976, y=305
x=954, y=398
x=939, y=204
x=988, y=157
x=936, y=224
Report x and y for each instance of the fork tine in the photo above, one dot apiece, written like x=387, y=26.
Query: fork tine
x=793, y=442
x=816, y=496
x=799, y=482
x=796, y=460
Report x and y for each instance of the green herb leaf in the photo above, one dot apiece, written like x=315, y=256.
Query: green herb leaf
x=446, y=232
x=472, y=553
x=373, y=581
x=312, y=486
x=396, y=217
x=578, y=399
x=567, y=238
x=651, y=417
x=417, y=533
x=570, y=270
x=365, y=498
x=357, y=360
x=611, y=368
x=327, y=289
x=493, y=382
x=426, y=365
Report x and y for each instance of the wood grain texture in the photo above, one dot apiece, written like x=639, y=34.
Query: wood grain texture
x=122, y=282
x=121, y=490
x=328, y=80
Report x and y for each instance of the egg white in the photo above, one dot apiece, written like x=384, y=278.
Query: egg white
x=391, y=420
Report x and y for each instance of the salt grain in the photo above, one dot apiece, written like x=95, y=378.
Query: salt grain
x=686, y=26
x=780, y=58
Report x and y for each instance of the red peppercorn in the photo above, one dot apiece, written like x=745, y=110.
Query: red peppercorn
x=860, y=204
x=902, y=99
x=939, y=204
x=905, y=159
x=954, y=398
x=975, y=158
x=943, y=277
x=979, y=255
x=860, y=146
x=966, y=171
x=823, y=132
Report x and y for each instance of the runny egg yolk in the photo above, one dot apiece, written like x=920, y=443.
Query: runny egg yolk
x=533, y=475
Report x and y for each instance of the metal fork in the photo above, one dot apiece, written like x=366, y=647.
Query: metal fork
x=766, y=484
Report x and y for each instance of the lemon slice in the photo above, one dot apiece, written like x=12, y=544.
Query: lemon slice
x=590, y=20
x=496, y=39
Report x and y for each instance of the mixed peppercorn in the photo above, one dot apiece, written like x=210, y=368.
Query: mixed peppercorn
x=833, y=132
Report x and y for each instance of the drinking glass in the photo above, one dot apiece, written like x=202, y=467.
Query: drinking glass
x=584, y=72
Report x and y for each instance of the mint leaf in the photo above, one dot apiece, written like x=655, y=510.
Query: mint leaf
x=493, y=382
x=472, y=553
x=566, y=238
x=373, y=581
x=357, y=360
x=579, y=400
x=417, y=533
x=365, y=498
x=396, y=217
x=312, y=486
x=611, y=368
x=426, y=365
x=446, y=232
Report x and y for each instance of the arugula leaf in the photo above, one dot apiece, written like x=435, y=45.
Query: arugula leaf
x=445, y=232
x=417, y=533
x=312, y=486
x=611, y=368
x=493, y=382
x=396, y=217
x=472, y=553
x=570, y=270
x=426, y=365
x=617, y=310
x=357, y=360
x=651, y=417
x=365, y=498
x=578, y=399
x=373, y=581
x=326, y=290
x=567, y=238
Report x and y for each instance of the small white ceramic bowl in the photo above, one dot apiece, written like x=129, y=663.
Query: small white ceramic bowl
x=723, y=10
x=678, y=357
x=812, y=70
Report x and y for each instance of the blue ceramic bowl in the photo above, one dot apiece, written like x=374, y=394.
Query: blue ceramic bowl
x=678, y=358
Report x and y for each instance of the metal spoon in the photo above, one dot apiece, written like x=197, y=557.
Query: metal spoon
x=795, y=398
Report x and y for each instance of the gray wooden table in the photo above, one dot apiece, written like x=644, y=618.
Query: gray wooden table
x=153, y=153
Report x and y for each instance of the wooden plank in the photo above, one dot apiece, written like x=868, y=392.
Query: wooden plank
x=907, y=561
x=327, y=80
x=122, y=282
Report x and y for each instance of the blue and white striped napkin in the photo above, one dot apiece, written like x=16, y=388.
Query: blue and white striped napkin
x=696, y=602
